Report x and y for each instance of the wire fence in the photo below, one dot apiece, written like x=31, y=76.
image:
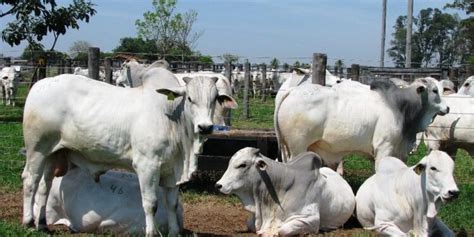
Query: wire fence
x=256, y=100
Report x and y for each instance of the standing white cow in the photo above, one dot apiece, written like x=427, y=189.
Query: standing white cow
x=131, y=73
x=113, y=205
x=400, y=199
x=295, y=198
x=9, y=85
x=85, y=72
x=467, y=87
x=156, y=133
x=454, y=130
x=222, y=110
x=333, y=123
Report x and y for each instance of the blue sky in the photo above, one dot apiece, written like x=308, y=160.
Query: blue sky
x=257, y=30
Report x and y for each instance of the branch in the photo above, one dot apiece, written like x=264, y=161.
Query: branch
x=56, y=36
x=9, y=11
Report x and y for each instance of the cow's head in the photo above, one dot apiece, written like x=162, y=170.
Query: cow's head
x=242, y=170
x=437, y=169
x=8, y=77
x=429, y=91
x=467, y=88
x=200, y=95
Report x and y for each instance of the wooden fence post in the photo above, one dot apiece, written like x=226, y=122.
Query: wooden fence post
x=93, y=63
x=108, y=70
x=8, y=61
x=319, y=69
x=264, y=82
x=61, y=67
x=68, y=66
x=355, y=72
x=454, y=76
x=228, y=74
x=246, y=89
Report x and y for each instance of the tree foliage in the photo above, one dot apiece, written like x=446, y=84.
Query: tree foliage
x=229, y=58
x=79, y=47
x=36, y=19
x=436, y=39
x=274, y=63
x=171, y=31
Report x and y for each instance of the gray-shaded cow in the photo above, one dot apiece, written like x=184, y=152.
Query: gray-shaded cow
x=400, y=199
x=288, y=199
x=333, y=123
x=156, y=133
x=112, y=205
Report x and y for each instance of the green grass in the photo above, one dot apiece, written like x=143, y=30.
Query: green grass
x=458, y=215
x=260, y=114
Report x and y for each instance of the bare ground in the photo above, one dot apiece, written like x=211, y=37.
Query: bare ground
x=206, y=217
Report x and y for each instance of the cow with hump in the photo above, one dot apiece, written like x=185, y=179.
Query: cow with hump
x=298, y=197
x=156, y=133
x=379, y=122
x=398, y=199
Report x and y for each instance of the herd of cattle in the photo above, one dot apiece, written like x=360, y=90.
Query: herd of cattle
x=76, y=129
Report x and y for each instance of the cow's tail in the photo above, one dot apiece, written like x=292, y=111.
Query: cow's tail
x=282, y=145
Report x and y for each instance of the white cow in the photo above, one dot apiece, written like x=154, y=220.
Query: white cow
x=131, y=73
x=156, y=133
x=398, y=199
x=9, y=84
x=333, y=123
x=454, y=130
x=222, y=110
x=112, y=205
x=295, y=198
x=467, y=88
x=85, y=72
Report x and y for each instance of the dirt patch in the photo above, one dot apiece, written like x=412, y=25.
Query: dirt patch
x=205, y=216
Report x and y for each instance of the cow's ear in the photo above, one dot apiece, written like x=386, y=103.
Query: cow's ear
x=215, y=79
x=172, y=93
x=187, y=79
x=420, y=89
x=261, y=164
x=227, y=101
x=419, y=168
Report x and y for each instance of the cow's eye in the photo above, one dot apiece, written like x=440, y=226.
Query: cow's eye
x=435, y=91
x=434, y=169
x=189, y=99
x=241, y=166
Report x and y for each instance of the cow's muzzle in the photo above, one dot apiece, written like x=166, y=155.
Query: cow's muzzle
x=205, y=129
x=452, y=194
x=446, y=111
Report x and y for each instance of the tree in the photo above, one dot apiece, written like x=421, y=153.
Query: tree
x=436, y=39
x=229, y=58
x=172, y=32
x=79, y=47
x=465, y=41
x=274, y=63
x=286, y=66
x=36, y=19
x=338, y=67
x=297, y=64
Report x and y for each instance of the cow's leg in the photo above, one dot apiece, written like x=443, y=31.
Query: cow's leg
x=42, y=194
x=300, y=225
x=171, y=197
x=387, y=229
x=31, y=176
x=148, y=172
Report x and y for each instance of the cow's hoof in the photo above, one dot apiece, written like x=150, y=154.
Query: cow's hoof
x=29, y=223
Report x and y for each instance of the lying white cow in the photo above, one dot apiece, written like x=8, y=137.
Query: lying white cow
x=157, y=133
x=467, y=88
x=9, y=85
x=333, y=123
x=112, y=205
x=299, y=197
x=398, y=199
x=454, y=130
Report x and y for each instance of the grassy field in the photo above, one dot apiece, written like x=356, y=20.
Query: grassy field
x=458, y=215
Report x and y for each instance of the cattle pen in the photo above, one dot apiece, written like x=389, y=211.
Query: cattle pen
x=250, y=125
